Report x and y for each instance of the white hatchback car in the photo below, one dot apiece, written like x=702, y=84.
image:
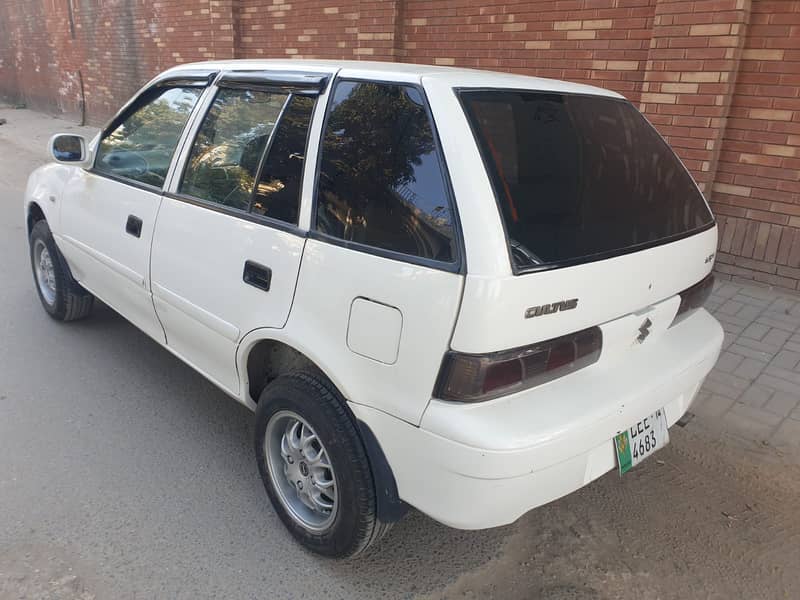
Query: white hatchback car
x=468, y=292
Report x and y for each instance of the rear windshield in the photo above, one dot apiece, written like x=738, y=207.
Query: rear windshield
x=580, y=178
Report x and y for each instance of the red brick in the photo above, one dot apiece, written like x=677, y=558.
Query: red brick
x=732, y=129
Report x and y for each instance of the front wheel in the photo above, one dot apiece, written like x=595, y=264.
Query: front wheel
x=61, y=296
x=314, y=466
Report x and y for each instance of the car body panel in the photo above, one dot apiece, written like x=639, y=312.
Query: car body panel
x=331, y=277
x=487, y=464
x=199, y=292
x=605, y=290
x=111, y=263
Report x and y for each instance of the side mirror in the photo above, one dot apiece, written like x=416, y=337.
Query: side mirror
x=69, y=148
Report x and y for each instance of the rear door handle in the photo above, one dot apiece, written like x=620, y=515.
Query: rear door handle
x=257, y=275
x=134, y=226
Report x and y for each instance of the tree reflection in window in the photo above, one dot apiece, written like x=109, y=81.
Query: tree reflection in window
x=224, y=159
x=381, y=180
x=141, y=146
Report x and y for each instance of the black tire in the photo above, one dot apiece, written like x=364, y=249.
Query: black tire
x=70, y=301
x=356, y=525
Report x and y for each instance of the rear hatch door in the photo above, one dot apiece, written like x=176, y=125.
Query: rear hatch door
x=602, y=221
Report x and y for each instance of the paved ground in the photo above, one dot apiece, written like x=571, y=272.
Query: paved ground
x=124, y=475
x=755, y=388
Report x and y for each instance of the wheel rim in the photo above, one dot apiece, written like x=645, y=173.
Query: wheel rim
x=301, y=472
x=45, y=272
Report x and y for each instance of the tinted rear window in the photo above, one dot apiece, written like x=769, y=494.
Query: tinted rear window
x=580, y=177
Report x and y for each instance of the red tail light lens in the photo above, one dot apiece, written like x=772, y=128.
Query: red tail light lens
x=694, y=297
x=479, y=377
x=501, y=375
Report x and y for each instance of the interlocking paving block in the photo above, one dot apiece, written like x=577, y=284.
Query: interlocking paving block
x=728, y=362
x=787, y=433
x=756, y=331
x=754, y=389
x=712, y=406
x=756, y=396
x=731, y=307
x=778, y=383
x=786, y=359
x=782, y=403
x=750, y=368
x=757, y=415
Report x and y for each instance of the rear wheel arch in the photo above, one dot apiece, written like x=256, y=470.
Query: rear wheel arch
x=266, y=359
x=269, y=358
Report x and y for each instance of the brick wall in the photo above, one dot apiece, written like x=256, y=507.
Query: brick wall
x=756, y=191
x=600, y=42
x=719, y=78
x=76, y=57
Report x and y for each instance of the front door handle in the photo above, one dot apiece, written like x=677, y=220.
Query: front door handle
x=134, y=226
x=257, y=275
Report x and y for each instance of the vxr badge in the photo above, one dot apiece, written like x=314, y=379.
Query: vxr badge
x=644, y=330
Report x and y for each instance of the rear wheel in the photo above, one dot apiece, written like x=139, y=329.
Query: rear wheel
x=61, y=296
x=314, y=466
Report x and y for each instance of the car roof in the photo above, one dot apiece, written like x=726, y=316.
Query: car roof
x=456, y=77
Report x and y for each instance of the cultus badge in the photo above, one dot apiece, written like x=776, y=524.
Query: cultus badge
x=547, y=309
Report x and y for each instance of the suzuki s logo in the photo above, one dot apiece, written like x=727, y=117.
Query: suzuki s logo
x=644, y=330
x=548, y=309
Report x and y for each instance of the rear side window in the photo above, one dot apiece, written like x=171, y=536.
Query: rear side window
x=227, y=151
x=381, y=181
x=140, y=147
x=580, y=177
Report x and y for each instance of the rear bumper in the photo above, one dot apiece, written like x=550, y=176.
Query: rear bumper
x=484, y=465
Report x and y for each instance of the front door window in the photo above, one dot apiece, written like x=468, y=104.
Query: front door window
x=141, y=146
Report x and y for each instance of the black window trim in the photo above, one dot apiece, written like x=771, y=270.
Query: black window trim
x=189, y=78
x=146, y=187
x=299, y=82
x=194, y=78
x=459, y=262
x=562, y=264
x=265, y=154
x=293, y=228
x=237, y=213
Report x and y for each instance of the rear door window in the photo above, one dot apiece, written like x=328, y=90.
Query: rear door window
x=227, y=151
x=277, y=194
x=580, y=178
x=381, y=179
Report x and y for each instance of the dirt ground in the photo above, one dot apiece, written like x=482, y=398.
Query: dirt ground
x=707, y=518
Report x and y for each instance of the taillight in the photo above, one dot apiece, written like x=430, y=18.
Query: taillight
x=694, y=297
x=478, y=377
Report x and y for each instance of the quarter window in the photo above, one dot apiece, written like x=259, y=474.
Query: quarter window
x=224, y=160
x=140, y=148
x=381, y=181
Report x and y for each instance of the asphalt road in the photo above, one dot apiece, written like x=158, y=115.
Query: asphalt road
x=125, y=475
x=137, y=474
